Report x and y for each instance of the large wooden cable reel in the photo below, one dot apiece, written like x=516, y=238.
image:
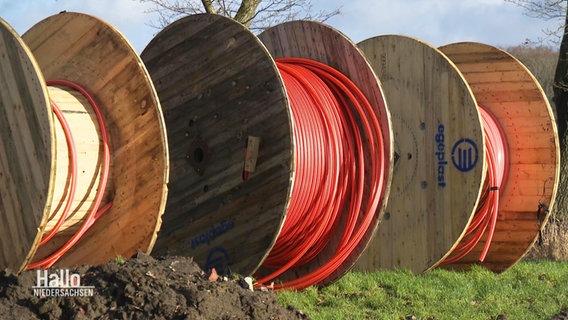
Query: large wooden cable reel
x=319, y=42
x=507, y=88
x=91, y=53
x=434, y=112
x=220, y=89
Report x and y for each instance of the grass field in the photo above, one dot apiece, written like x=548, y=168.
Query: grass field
x=529, y=290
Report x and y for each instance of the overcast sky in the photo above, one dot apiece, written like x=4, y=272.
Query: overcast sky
x=437, y=22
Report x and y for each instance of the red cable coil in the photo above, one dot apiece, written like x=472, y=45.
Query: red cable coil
x=95, y=211
x=497, y=156
x=331, y=120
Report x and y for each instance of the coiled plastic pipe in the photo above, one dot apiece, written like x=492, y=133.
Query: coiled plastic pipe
x=96, y=210
x=485, y=217
x=332, y=120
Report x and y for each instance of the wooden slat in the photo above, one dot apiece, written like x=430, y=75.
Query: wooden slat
x=27, y=151
x=528, y=215
x=88, y=51
x=218, y=85
x=496, y=97
x=489, y=76
x=520, y=226
x=319, y=42
x=525, y=110
x=511, y=93
x=432, y=201
x=506, y=84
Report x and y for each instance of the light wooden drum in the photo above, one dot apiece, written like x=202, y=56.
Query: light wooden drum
x=88, y=52
x=435, y=189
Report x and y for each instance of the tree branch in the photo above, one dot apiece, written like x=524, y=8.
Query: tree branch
x=208, y=5
x=254, y=14
x=247, y=11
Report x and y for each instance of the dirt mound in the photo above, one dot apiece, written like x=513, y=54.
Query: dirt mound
x=142, y=288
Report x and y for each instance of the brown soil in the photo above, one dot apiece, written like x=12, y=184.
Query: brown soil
x=147, y=288
x=143, y=288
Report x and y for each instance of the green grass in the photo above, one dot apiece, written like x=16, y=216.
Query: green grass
x=529, y=290
x=119, y=259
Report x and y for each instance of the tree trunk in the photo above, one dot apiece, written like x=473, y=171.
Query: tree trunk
x=553, y=242
x=208, y=5
x=554, y=239
x=247, y=11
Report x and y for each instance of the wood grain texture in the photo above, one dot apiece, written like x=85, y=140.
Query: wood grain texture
x=508, y=89
x=432, y=198
x=319, y=42
x=90, y=52
x=219, y=86
x=27, y=152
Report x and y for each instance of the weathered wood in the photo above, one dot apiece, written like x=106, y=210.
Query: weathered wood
x=219, y=87
x=503, y=85
x=316, y=41
x=433, y=197
x=88, y=51
x=27, y=152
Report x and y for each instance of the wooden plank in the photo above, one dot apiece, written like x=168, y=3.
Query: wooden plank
x=529, y=215
x=27, y=151
x=433, y=110
x=538, y=155
x=532, y=187
x=524, y=109
x=518, y=225
x=531, y=125
x=479, y=65
x=537, y=139
x=490, y=76
x=321, y=43
x=218, y=85
x=523, y=203
x=503, y=85
x=88, y=51
x=496, y=97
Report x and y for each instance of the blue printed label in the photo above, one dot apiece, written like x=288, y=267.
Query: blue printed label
x=218, y=258
x=209, y=235
x=441, y=156
x=465, y=155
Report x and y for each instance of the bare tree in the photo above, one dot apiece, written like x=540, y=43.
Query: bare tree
x=555, y=237
x=254, y=14
x=545, y=10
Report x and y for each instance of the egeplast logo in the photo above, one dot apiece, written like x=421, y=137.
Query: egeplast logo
x=60, y=283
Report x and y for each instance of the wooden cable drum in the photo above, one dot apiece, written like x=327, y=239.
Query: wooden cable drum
x=319, y=42
x=221, y=94
x=23, y=190
x=508, y=89
x=227, y=114
x=88, y=52
x=434, y=112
